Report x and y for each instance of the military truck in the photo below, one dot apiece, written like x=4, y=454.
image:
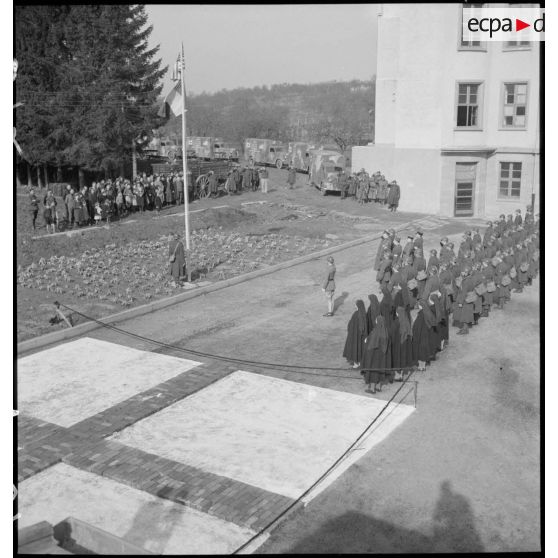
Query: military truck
x=325, y=168
x=266, y=152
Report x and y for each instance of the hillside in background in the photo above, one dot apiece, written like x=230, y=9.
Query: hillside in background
x=332, y=112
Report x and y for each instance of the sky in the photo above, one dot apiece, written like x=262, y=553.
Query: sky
x=248, y=45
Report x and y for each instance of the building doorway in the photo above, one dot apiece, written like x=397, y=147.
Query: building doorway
x=465, y=180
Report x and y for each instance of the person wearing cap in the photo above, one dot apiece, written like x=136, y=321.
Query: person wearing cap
x=417, y=241
x=501, y=224
x=487, y=271
x=477, y=239
x=445, y=252
x=518, y=219
x=433, y=260
x=463, y=311
x=393, y=196
x=385, y=244
x=409, y=245
x=419, y=262
x=384, y=272
x=329, y=285
x=466, y=245
x=396, y=251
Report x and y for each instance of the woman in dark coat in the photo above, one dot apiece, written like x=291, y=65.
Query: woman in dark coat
x=376, y=356
x=177, y=259
x=372, y=313
x=387, y=308
x=401, y=338
x=422, y=325
x=356, y=333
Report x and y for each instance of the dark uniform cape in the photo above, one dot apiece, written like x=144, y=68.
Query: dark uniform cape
x=421, y=338
x=401, y=337
x=418, y=242
x=387, y=308
x=518, y=220
x=372, y=313
x=356, y=333
x=377, y=355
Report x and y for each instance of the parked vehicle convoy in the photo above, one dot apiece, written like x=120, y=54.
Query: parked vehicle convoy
x=266, y=152
x=325, y=169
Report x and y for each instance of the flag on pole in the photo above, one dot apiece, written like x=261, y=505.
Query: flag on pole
x=172, y=103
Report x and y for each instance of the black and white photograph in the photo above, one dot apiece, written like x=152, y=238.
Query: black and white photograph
x=277, y=278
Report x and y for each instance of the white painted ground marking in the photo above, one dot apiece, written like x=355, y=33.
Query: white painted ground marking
x=272, y=433
x=156, y=524
x=70, y=382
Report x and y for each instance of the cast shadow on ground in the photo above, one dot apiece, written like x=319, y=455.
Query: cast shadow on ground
x=453, y=530
x=338, y=302
x=152, y=526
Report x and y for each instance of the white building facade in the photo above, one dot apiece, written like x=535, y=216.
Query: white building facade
x=456, y=123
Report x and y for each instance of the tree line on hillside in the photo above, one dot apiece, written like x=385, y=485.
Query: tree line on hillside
x=331, y=112
x=89, y=84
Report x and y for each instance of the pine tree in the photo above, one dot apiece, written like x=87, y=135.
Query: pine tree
x=101, y=82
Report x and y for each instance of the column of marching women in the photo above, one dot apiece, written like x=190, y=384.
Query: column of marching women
x=449, y=290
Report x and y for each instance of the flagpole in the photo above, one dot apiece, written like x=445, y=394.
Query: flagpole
x=185, y=167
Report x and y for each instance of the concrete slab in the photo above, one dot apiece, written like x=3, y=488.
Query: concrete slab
x=272, y=433
x=73, y=381
x=152, y=523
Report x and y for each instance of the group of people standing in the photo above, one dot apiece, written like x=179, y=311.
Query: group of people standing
x=107, y=199
x=450, y=289
x=365, y=188
x=247, y=178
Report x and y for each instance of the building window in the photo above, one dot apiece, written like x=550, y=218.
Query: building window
x=469, y=45
x=468, y=105
x=515, y=105
x=510, y=180
x=517, y=44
